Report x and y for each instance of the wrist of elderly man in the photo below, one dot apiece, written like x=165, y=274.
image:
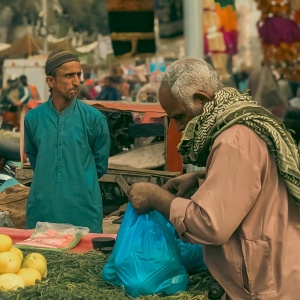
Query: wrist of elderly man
x=161, y=201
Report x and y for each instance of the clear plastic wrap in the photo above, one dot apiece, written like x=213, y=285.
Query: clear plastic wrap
x=54, y=236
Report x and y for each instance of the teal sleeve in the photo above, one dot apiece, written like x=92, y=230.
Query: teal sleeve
x=30, y=147
x=101, y=145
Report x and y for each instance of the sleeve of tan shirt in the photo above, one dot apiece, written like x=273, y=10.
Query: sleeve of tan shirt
x=221, y=203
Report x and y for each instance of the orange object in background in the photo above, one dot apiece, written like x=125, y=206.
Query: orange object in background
x=297, y=16
x=173, y=159
x=11, y=118
x=227, y=17
x=32, y=103
x=34, y=92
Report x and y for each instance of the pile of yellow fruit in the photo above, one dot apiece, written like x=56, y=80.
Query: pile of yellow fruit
x=17, y=271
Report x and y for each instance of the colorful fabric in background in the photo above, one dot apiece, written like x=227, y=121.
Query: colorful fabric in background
x=170, y=17
x=277, y=30
x=220, y=33
x=220, y=27
x=131, y=24
x=280, y=36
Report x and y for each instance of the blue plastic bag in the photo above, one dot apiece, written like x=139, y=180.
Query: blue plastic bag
x=146, y=259
x=191, y=256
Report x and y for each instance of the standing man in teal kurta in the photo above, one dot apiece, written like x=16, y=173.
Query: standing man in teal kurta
x=67, y=143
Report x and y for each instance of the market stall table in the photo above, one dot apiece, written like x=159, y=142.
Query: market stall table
x=84, y=245
x=78, y=275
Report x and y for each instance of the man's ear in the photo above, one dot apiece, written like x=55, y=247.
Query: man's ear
x=201, y=96
x=50, y=81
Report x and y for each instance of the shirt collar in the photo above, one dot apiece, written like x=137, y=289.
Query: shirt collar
x=66, y=111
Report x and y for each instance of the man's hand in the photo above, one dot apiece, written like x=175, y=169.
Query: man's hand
x=184, y=184
x=145, y=196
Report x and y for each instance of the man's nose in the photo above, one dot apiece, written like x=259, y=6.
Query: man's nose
x=76, y=80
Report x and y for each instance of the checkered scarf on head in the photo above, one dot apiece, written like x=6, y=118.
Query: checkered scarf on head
x=57, y=59
x=228, y=107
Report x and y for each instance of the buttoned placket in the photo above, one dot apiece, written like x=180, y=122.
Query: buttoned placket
x=61, y=119
x=60, y=133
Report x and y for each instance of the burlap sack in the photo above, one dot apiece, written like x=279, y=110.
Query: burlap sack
x=13, y=200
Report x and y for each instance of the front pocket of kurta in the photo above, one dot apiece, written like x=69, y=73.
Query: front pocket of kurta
x=259, y=273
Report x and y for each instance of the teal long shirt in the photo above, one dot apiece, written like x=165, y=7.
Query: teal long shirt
x=68, y=152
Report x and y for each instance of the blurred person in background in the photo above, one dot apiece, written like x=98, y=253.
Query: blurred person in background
x=285, y=90
x=90, y=84
x=124, y=88
x=295, y=101
x=83, y=91
x=13, y=97
x=254, y=78
x=136, y=82
x=109, y=92
x=149, y=92
x=241, y=80
x=98, y=87
x=34, y=93
x=265, y=90
x=116, y=72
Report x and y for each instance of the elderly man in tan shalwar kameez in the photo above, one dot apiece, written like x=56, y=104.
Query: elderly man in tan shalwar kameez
x=246, y=211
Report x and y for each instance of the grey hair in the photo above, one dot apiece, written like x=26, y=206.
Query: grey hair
x=183, y=77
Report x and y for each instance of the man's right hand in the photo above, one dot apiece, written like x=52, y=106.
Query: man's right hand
x=184, y=184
